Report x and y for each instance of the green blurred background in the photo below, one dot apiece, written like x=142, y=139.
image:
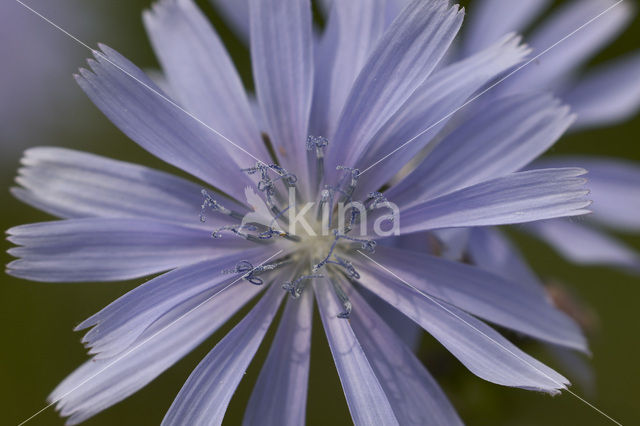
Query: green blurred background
x=42, y=106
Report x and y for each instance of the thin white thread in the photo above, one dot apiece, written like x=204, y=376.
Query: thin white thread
x=77, y=40
x=144, y=341
x=434, y=300
x=493, y=85
x=262, y=162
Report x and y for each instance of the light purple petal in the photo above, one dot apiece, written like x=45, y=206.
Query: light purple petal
x=489, y=249
x=608, y=95
x=503, y=137
x=549, y=70
x=480, y=348
x=202, y=75
x=366, y=398
x=491, y=19
x=515, y=198
x=405, y=329
x=431, y=107
x=353, y=28
x=615, y=189
x=390, y=9
x=205, y=396
x=393, y=9
x=414, y=395
x=98, y=384
x=454, y=242
x=74, y=184
x=124, y=320
x=138, y=107
x=405, y=56
x=279, y=397
x=281, y=54
x=109, y=249
x=585, y=245
x=479, y=292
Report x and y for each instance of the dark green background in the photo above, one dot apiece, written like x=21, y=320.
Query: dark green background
x=39, y=347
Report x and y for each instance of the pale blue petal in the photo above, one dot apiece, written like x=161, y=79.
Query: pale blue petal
x=615, y=189
x=431, y=106
x=98, y=384
x=279, y=397
x=405, y=329
x=489, y=249
x=491, y=19
x=454, y=242
x=414, y=395
x=503, y=137
x=586, y=245
x=552, y=68
x=480, y=348
x=74, y=184
x=393, y=9
x=138, y=107
x=109, y=249
x=203, y=76
x=365, y=396
x=281, y=55
x=124, y=320
x=607, y=95
x=353, y=28
x=515, y=198
x=205, y=396
x=479, y=292
x=257, y=113
x=403, y=59
x=389, y=8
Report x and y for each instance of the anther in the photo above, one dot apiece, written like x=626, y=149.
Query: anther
x=344, y=300
x=319, y=144
x=249, y=272
x=348, y=267
x=296, y=286
x=368, y=245
x=377, y=199
x=326, y=196
x=324, y=261
x=236, y=229
x=351, y=186
x=209, y=201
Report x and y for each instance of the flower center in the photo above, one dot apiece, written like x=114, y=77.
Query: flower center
x=321, y=233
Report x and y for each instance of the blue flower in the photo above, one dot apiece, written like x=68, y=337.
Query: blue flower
x=606, y=95
x=338, y=116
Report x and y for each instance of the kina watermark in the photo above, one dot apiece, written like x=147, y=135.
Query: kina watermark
x=375, y=216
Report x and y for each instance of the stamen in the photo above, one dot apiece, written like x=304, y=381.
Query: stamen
x=209, y=201
x=319, y=143
x=249, y=272
x=355, y=175
x=288, y=178
x=296, y=286
x=236, y=229
x=368, y=245
x=354, y=219
x=344, y=300
x=377, y=199
x=348, y=266
x=323, y=262
x=326, y=196
x=267, y=185
x=374, y=199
